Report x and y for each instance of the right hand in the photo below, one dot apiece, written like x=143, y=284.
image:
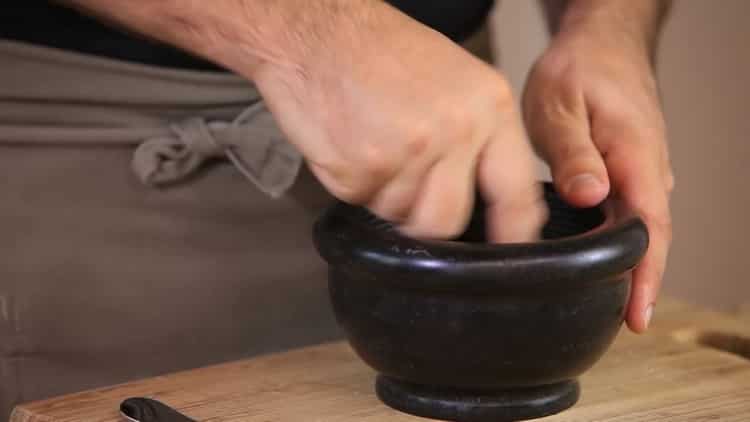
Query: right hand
x=392, y=115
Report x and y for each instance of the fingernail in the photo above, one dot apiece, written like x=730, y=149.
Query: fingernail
x=647, y=315
x=583, y=183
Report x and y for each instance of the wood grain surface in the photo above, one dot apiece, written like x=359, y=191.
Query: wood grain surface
x=694, y=365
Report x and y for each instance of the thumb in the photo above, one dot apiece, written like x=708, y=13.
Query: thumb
x=560, y=132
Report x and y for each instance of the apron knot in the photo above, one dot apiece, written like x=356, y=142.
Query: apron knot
x=252, y=142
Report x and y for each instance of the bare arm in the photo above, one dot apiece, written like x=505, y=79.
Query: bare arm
x=388, y=113
x=637, y=22
x=242, y=35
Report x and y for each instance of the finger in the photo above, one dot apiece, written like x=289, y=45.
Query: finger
x=445, y=200
x=647, y=281
x=346, y=186
x=659, y=134
x=559, y=128
x=635, y=171
x=507, y=179
x=396, y=199
x=359, y=178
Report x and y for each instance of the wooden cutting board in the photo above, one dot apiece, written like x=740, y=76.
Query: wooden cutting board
x=694, y=365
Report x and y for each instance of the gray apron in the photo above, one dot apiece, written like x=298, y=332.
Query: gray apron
x=151, y=220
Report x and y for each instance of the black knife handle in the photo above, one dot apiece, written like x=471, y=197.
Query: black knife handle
x=139, y=409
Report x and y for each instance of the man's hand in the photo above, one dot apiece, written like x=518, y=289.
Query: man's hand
x=387, y=112
x=592, y=110
x=392, y=115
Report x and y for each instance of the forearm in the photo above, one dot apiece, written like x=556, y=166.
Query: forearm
x=635, y=23
x=240, y=34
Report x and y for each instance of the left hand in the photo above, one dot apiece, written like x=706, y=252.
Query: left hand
x=592, y=110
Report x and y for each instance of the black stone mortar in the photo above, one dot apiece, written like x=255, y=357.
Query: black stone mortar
x=474, y=332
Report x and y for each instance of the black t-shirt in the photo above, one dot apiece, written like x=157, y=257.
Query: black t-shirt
x=45, y=23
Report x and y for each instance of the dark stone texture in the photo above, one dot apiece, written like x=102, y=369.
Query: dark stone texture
x=473, y=332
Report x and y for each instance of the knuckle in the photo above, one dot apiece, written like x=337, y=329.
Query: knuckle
x=421, y=137
x=386, y=214
x=345, y=181
x=504, y=104
x=461, y=126
x=502, y=94
x=390, y=209
x=342, y=183
x=418, y=143
x=348, y=193
x=376, y=163
x=555, y=70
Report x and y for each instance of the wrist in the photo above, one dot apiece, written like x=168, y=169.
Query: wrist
x=624, y=25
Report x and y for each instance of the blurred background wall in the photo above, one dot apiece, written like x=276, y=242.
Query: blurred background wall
x=704, y=69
